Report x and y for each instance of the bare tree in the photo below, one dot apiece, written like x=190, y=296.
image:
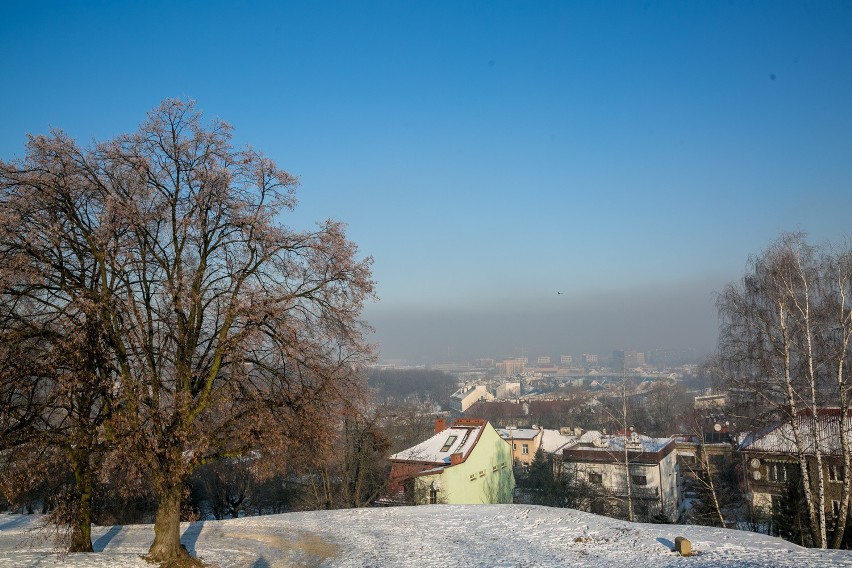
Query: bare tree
x=55, y=286
x=229, y=333
x=785, y=337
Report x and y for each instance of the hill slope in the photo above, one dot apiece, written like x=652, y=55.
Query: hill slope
x=438, y=535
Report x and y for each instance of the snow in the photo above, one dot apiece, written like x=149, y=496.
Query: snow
x=616, y=442
x=779, y=438
x=436, y=535
x=553, y=441
x=430, y=450
x=518, y=433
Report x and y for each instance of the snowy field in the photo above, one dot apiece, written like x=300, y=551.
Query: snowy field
x=437, y=535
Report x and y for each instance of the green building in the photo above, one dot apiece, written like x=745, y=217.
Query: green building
x=467, y=463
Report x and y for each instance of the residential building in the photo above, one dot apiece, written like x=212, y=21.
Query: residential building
x=623, y=360
x=769, y=457
x=511, y=367
x=711, y=402
x=608, y=463
x=508, y=390
x=465, y=397
x=468, y=463
x=553, y=442
x=524, y=443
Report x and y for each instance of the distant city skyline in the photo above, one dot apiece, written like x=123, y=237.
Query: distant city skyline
x=564, y=175
x=650, y=358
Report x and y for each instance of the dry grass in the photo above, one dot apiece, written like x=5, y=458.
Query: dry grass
x=307, y=549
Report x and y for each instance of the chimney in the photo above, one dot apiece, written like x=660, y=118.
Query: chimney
x=440, y=425
x=456, y=458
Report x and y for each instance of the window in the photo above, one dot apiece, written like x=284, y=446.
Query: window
x=433, y=496
x=448, y=443
x=639, y=479
x=525, y=449
x=776, y=471
x=776, y=504
x=835, y=508
x=596, y=478
x=717, y=461
x=835, y=473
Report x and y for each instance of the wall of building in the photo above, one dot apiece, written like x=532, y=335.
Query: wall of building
x=484, y=477
x=659, y=493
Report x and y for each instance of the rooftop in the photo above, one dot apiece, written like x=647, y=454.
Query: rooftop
x=779, y=437
x=595, y=442
x=458, y=439
x=518, y=433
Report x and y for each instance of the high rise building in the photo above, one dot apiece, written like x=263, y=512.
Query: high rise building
x=627, y=360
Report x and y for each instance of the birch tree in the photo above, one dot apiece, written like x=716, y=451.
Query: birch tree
x=785, y=337
x=837, y=342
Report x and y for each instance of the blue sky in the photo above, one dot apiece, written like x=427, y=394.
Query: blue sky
x=488, y=155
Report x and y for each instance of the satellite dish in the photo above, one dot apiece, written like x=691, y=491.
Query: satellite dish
x=755, y=463
x=717, y=427
x=756, y=475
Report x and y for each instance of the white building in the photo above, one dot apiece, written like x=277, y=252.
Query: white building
x=651, y=470
x=466, y=397
x=508, y=390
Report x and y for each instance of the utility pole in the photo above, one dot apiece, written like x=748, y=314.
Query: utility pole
x=626, y=457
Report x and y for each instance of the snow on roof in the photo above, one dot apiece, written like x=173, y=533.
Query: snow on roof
x=553, y=442
x=779, y=438
x=589, y=436
x=518, y=433
x=637, y=442
x=439, y=448
x=465, y=391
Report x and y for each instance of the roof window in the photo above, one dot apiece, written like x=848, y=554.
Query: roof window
x=448, y=443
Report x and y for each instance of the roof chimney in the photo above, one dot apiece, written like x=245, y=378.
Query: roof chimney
x=440, y=425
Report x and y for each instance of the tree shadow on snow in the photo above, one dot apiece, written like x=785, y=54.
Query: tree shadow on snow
x=15, y=522
x=189, y=538
x=105, y=539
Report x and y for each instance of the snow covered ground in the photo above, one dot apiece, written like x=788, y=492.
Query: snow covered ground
x=437, y=535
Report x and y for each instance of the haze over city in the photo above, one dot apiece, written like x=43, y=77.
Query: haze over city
x=557, y=177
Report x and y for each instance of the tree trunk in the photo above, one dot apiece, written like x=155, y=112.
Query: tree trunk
x=166, y=545
x=81, y=532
